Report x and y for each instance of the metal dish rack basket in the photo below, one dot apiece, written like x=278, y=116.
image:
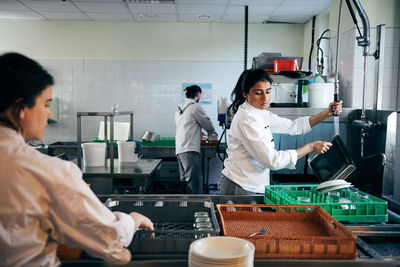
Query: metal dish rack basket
x=173, y=221
x=290, y=231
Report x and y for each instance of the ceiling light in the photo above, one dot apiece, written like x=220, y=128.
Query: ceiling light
x=150, y=1
x=147, y=15
x=204, y=16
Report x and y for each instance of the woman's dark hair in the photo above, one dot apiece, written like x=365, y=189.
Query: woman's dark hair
x=247, y=79
x=192, y=91
x=21, y=81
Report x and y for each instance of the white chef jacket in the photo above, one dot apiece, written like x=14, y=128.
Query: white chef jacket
x=44, y=201
x=190, y=118
x=251, y=150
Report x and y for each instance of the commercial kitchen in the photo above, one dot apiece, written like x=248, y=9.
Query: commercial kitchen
x=120, y=69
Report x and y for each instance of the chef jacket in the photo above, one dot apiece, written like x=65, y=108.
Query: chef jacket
x=44, y=201
x=251, y=150
x=190, y=118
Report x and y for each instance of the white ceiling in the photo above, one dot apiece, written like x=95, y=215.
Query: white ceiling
x=195, y=11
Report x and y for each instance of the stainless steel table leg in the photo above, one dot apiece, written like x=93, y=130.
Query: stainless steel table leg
x=111, y=144
x=79, y=137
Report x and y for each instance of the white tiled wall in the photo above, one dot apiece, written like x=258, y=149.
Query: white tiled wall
x=351, y=72
x=152, y=89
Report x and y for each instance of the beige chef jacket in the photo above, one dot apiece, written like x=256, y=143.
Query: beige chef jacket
x=190, y=118
x=44, y=201
x=251, y=150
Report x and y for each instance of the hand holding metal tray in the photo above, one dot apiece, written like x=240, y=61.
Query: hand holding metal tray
x=335, y=164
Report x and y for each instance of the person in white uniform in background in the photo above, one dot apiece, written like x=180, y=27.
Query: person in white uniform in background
x=251, y=150
x=190, y=118
x=43, y=200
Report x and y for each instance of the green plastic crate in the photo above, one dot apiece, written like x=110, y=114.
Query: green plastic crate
x=163, y=141
x=368, y=211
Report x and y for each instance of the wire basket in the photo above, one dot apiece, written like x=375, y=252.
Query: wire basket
x=291, y=231
x=173, y=221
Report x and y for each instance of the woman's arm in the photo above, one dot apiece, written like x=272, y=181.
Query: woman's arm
x=319, y=147
x=323, y=115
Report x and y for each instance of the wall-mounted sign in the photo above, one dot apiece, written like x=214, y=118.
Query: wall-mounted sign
x=206, y=92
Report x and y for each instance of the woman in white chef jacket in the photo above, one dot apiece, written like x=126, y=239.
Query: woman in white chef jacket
x=44, y=200
x=251, y=152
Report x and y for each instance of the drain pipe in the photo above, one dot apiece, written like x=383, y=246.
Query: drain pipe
x=246, y=33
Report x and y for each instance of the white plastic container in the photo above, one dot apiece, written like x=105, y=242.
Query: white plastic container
x=94, y=154
x=127, y=151
x=320, y=94
x=318, y=78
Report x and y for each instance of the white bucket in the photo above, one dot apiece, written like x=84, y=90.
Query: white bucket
x=320, y=94
x=94, y=154
x=127, y=151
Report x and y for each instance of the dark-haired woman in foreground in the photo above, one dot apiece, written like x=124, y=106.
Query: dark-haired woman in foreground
x=251, y=150
x=44, y=200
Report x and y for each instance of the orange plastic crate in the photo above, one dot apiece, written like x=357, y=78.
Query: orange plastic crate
x=293, y=231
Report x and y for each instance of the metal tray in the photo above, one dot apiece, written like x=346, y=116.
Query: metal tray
x=336, y=163
x=173, y=222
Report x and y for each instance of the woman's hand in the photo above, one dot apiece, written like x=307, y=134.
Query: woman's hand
x=320, y=147
x=326, y=113
x=335, y=107
x=142, y=221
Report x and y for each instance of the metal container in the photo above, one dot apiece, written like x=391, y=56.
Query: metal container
x=149, y=136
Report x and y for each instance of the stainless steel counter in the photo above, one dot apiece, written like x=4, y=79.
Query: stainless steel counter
x=257, y=262
x=169, y=151
x=126, y=177
x=384, y=252
x=140, y=168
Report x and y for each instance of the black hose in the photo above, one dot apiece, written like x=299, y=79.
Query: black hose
x=312, y=43
x=219, y=142
x=353, y=16
x=319, y=49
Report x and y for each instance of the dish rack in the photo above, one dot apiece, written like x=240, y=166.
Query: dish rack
x=163, y=141
x=371, y=210
x=291, y=231
x=173, y=221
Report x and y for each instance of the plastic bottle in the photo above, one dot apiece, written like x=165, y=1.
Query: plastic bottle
x=302, y=92
x=318, y=78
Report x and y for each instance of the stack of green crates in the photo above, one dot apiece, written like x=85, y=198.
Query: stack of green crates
x=163, y=141
x=371, y=210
